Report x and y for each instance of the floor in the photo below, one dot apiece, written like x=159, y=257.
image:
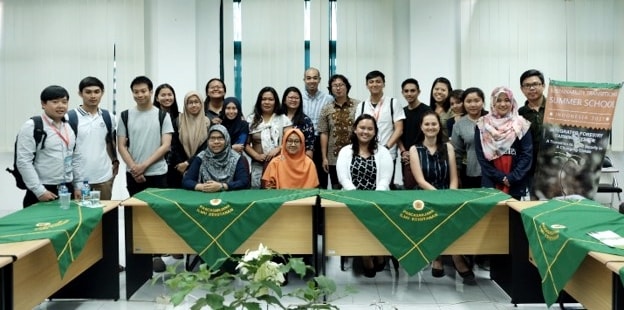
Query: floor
x=388, y=290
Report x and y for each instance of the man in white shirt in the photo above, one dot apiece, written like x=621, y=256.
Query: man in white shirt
x=94, y=137
x=52, y=161
x=387, y=111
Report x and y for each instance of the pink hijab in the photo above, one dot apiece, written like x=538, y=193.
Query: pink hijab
x=498, y=132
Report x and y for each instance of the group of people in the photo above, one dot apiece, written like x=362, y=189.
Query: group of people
x=312, y=139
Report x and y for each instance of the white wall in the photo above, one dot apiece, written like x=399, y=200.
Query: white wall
x=481, y=43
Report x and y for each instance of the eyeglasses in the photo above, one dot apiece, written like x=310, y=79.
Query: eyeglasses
x=292, y=97
x=216, y=139
x=338, y=86
x=293, y=142
x=531, y=85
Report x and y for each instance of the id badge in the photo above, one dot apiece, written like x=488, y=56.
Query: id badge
x=68, y=164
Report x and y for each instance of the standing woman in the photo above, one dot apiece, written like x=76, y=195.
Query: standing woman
x=363, y=165
x=432, y=160
x=165, y=99
x=504, y=149
x=215, y=94
x=218, y=168
x=192, y=136
x=457, y=110
x=463, y=138
x=232, y=118
x=335, y=124
x=293, y=109
x=266, y=129
x=439, y=100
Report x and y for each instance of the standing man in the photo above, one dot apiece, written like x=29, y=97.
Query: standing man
x=94, y=137
x=144, y=139
x=53, y=160
x=387, y=112
x=411, y=127
x=532, y=85
x=313, y=100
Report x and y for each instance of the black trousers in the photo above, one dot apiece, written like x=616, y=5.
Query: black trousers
x=317, y=158
x=158, y=181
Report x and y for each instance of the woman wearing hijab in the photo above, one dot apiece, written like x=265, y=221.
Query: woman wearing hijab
x=192, y=135
x=218, y=168
x=292, y=168
x=232, y=118
x=504, y=150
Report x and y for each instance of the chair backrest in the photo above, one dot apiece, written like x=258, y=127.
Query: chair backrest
x=606, y=162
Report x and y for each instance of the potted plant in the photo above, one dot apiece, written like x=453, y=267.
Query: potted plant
x=256, y=284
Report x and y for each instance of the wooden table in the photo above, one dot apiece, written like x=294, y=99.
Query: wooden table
x=595, y=284
x=289, y=231
x=34, y=274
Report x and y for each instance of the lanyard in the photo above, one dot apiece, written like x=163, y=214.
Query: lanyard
x=65, y=137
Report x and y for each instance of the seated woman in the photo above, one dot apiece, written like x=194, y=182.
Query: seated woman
x=364, y=165
x=504, y=149
x=292, y=168
x=218, y=168
x=432, y=160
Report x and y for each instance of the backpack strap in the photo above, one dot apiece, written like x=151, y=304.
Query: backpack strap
x=72, y=119
x=124, y=119
x=38, y=133
x=161, y=118
x=109, y=126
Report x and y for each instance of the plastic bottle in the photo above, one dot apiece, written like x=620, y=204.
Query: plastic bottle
x=62, y=188
x=85, y=191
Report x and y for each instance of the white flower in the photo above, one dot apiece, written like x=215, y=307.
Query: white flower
x=255, y=255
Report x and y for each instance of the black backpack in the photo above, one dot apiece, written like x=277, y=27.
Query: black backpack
x=40, y=135
x=72, y=119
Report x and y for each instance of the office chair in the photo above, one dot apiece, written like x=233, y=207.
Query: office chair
x=613, y=187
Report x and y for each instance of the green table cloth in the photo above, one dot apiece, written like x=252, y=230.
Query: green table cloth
x=416, y=226
x=557, y=234
x=68, y=230
x=216, y=224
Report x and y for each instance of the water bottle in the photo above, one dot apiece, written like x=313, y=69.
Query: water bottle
x=85, y=191
x=62, y=189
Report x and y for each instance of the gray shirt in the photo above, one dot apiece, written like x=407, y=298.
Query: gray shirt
x=145, y=137
x=464, y=144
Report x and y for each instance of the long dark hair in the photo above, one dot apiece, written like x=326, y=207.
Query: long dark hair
x=258, y=107
x=355, y=143
x=298, y=119
x=173, y=111
x=441, y=138
x=446, y=105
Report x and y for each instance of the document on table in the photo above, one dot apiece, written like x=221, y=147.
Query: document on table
x=609, y=238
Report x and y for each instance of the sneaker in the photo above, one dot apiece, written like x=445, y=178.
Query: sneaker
x=177, y=256
x=158, y=264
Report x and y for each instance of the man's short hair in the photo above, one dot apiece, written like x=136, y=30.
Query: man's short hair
x=375, y=74
x=529, y=73
x=54, y=92
x=410, y=81
x=142, y=80
x=90, y=81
